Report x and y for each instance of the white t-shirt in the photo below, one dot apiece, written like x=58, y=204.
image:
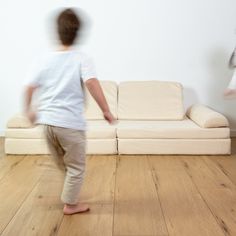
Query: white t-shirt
x=60, y=97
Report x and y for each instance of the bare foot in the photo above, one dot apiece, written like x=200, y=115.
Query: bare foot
x=73, y=209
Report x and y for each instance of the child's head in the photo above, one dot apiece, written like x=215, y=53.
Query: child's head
x=68, y=25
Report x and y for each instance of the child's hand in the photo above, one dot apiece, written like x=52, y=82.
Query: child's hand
x=109, y=117
x=31, y=115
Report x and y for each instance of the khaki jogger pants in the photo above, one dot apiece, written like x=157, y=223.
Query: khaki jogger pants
x=68, y=149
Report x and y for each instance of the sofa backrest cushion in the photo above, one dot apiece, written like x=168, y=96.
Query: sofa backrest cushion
x=150, y=100
x=92, y=110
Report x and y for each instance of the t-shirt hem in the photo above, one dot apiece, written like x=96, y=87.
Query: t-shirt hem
x=62, y=125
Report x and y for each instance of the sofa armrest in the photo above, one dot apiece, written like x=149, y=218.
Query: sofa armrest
x=19, y=121
x=206, y=117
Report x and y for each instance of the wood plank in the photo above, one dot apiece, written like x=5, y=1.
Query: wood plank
x=184, y=209
x=98, y=192
x=8, y=163
x=233, y=145
x=217, y=190
x=41, y=213
x=16, y=186
x=2, y=154
x=205, y=176
x=137, y=208
x=227, y=166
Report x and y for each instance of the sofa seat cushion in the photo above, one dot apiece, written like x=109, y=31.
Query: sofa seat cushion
x=96, y=129
x=35, y=132
x=174, y=146
x=39, y=146
x=168, y=130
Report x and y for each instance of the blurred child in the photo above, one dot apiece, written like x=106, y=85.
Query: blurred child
x=230, y=92
x=59, y=80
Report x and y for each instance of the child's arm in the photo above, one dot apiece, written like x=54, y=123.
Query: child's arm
x=95, y=90
x=27, y=105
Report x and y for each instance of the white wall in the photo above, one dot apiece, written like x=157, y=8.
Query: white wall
x=188, y=41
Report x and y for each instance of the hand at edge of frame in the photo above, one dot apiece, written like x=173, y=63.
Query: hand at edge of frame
x=109, y=117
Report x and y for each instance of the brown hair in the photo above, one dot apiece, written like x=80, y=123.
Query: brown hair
x=68, y=24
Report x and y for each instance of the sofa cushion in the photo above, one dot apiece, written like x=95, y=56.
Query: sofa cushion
x=19, y=121
x=150, y=100
x=206, y=117
x=92, y=110
x=99, y=129
x=174, y=146
x=39, y=146
x=183, y=129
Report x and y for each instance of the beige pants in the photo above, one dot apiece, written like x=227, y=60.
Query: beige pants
x=68, y=149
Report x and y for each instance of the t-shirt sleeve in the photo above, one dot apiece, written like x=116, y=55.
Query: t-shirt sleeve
x=87, y=68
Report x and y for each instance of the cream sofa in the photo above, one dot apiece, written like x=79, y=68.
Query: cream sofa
x=151, y=120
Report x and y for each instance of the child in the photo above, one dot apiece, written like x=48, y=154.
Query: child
x=230, y=92
x=61, y=103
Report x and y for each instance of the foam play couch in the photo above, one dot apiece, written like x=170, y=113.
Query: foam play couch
x=151, y=120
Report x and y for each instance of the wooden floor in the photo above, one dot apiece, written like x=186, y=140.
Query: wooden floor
x=128, y=195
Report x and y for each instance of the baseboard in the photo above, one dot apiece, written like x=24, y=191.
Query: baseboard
x=233, y=133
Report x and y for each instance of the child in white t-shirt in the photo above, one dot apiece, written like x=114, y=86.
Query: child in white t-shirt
x=59, y=79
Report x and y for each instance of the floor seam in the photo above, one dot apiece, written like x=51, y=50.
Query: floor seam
x=159, y=199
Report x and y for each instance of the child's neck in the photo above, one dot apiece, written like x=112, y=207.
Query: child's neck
x=65, y=48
